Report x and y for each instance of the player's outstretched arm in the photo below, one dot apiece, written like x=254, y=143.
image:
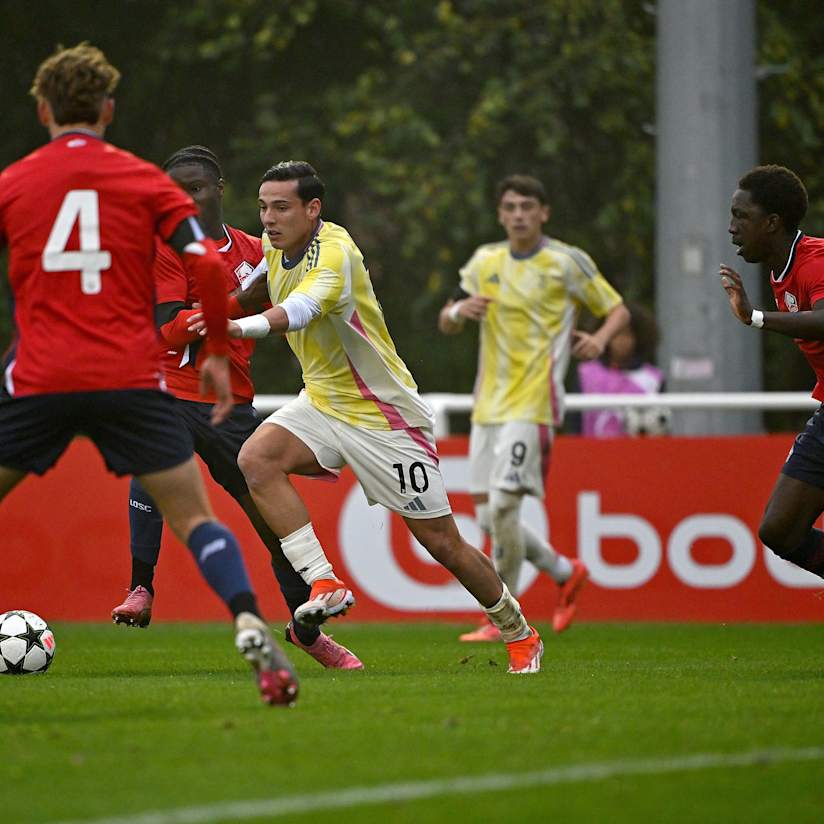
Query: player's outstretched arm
x=296, y=312
x=248, y=301
x=807, y=325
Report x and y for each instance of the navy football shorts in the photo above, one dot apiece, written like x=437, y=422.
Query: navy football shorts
x=137, y=431
x=219, y=446
x=806, y=459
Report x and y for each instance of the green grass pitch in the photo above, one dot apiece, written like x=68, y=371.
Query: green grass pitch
x=167, y=719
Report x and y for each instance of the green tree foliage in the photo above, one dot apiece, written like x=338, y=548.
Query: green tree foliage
x=411, y=111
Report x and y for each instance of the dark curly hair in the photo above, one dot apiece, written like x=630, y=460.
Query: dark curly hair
x=778, y=191
x=75, y=82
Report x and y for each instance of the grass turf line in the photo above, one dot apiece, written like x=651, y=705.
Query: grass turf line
x=131, y=721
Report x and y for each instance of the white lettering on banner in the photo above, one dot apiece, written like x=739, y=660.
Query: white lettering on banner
x=711, y=576
x=364, y=537
x=789, y=574
x=593, y=526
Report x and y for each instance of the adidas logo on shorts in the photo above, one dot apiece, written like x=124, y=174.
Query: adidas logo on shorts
x=415, y=505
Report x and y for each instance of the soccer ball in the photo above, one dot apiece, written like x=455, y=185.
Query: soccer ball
x=650, y=421
x=26, y=643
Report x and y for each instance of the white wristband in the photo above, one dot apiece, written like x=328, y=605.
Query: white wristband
x=454, y=313
x=255, y=326
x=757, y=318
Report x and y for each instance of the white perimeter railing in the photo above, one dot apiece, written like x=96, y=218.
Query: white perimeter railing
x=444, y=403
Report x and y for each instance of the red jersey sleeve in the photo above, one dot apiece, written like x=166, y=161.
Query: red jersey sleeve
x=812, y=276
x=171, y=205
x=171, y=281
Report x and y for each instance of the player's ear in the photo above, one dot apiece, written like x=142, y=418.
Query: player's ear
x=106, y=111
x=313, y=208
x=220, y=187
x=44, y=112
x=546, y=211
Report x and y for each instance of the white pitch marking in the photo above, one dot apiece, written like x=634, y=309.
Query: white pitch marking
x=465, y=785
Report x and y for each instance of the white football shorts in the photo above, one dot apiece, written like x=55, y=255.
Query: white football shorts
x=395, y=467
x=511, y=456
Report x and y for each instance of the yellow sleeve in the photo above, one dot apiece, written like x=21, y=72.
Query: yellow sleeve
x=327, y=280
x=588, y=286
x=470, y=274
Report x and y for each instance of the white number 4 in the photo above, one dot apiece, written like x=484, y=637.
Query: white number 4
x=79, y=205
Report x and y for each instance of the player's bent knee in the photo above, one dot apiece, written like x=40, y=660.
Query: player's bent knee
x=778, y=539
x=254, y=465
x=503, y=504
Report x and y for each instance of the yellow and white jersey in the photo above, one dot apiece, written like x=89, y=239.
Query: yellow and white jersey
x=526, y=336
x=351, y=370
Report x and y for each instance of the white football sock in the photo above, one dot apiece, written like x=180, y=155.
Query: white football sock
x=507, y=616
x=544, y=556
x=304, y=552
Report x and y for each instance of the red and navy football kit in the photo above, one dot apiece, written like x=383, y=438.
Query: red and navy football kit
x=80, y=218
x=797, y=289
x=217, y=446
x=241, y=254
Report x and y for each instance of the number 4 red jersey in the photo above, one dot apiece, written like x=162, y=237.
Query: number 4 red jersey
x=80, y=217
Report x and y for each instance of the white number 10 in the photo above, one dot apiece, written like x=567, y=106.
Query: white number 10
x=79, y=205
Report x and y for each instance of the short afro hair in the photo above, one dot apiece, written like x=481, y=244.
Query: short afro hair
x=778, y=191
x=195, y=154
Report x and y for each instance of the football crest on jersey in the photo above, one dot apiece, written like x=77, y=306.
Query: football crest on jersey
x=243, y=271
x=790, y=302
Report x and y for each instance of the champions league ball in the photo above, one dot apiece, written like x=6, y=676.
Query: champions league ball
x=26, y=643
x=650, y=421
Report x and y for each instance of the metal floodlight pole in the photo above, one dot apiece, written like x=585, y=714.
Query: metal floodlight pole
x=706, y=139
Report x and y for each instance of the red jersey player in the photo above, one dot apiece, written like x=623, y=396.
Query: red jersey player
x=767, y=208
x=197, y=171
x=80, y=217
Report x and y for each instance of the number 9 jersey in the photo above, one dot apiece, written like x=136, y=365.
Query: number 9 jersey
x=80, y=217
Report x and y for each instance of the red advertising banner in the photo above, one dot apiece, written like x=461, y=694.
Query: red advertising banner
x=667, y=526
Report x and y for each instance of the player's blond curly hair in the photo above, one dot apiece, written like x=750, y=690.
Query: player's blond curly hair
x=75, y=82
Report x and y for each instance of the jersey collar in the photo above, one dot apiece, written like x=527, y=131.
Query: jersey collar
x=290, y=264
x=228, y=245
x=84, y=132
x=524, y=255
x=790, y=260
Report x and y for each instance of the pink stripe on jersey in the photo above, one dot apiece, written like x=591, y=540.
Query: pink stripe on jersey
x=393, y=417
x=356, y=322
